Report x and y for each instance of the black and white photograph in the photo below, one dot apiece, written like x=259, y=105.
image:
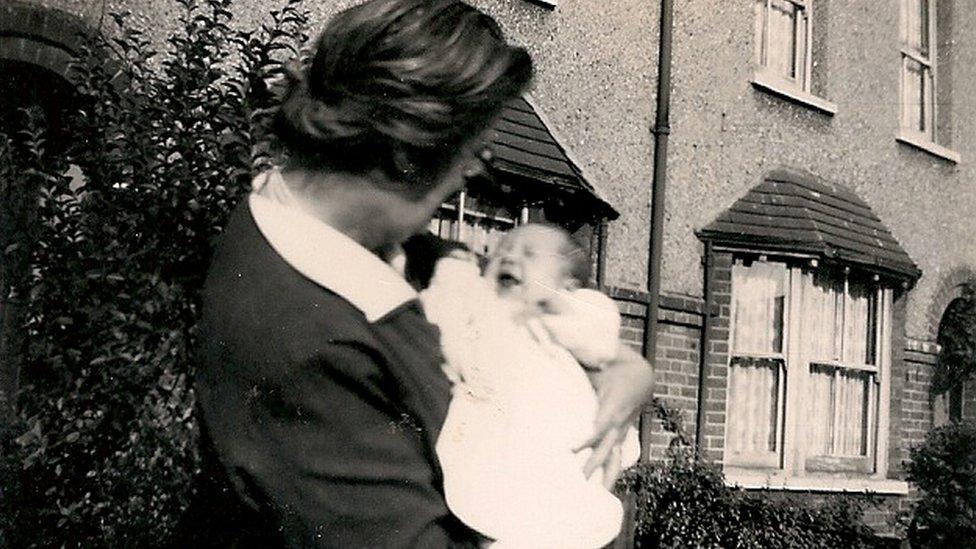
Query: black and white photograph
x=488, y=274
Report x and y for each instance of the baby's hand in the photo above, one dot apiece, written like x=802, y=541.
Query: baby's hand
x=587, y=324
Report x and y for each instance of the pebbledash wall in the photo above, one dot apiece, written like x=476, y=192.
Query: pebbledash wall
x=596, y=71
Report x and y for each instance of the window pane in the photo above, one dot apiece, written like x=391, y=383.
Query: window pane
x=852, y=392
x=912, y=108
x=837, y=424
x=821, y=314
x=923, y=26
x=781, y=39
x=483, y=225
x=820, y=418
x=859, y=324
x=760, y=30
x=754, y=388
x=912, y=23
x=759, y=300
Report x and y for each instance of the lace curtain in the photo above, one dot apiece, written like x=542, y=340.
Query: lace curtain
x=754, y=372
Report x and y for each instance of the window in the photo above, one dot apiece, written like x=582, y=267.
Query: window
x=783, y=40
x=477, y=222
x=918, y=68
x=808, y=357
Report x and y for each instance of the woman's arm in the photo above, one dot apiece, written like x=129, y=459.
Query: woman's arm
x=623, y=386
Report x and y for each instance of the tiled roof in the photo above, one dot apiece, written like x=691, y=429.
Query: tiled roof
x=792, y=211
x=524, y=146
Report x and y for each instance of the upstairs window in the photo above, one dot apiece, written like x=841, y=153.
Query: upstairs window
x=783, y=40
x=918, y=68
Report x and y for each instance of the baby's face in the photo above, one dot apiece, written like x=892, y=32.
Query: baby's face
x=528, y=267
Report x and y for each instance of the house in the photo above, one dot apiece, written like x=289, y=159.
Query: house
x=818, y=207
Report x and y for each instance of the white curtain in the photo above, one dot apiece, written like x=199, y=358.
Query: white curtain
x=782, y=40
x=754, y=382
x=852, y=404
x=821, y=344
x=858, y=324
x=820, y=417
x=754, y=400
x=835, y=329
x=759, y=299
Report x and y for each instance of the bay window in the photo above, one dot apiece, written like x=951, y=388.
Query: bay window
x=808, y=356
x=478, y=222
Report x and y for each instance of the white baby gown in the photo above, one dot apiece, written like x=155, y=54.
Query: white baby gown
x=521, y=404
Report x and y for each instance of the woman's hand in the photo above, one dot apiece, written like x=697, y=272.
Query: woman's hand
x=623, y=386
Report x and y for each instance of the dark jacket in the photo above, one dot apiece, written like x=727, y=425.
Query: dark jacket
x=318, y=427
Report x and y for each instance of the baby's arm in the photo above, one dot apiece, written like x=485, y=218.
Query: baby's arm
x=587, y=324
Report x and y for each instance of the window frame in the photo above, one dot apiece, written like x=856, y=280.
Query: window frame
x=772, y=459
x=802, y=57
x=795, y=461
x=457, y=214
x=928, y=104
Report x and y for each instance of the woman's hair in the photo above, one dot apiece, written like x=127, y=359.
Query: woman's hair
x=399, y=85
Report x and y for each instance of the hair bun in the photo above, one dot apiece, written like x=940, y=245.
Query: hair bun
x=312, y=118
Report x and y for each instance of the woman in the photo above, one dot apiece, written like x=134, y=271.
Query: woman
x=320, y=387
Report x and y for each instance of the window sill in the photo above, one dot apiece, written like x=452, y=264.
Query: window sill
x=816, y=484
x=788, y=90
x=930, y=147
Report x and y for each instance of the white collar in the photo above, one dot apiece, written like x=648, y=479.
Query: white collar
x=326, y=256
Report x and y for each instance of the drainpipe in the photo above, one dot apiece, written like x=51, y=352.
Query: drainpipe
x=703, y=348
x=661, y=129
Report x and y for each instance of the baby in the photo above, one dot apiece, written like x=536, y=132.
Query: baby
x=518, y=340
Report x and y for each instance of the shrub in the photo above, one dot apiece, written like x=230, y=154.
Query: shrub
x=943, y=468
x=685, y=502
x=103, y=449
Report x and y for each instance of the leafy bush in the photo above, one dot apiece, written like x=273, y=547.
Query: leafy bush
x=943, y=468
x=684, y=502
x=103, y=450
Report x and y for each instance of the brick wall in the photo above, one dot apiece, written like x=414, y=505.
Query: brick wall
x=680, y=322
x=676, y=363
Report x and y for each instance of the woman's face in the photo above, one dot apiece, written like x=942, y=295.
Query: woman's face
x=409, y=215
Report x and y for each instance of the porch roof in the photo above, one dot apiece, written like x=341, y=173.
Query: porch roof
x=792, y=211
x=523, y=145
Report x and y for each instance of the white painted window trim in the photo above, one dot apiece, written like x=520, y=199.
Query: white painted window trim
x=798, y=91
x=792, y=474
x=756, y=481
x=462, y=212
x=921, y=142
x=907, y=134
x=767, y=81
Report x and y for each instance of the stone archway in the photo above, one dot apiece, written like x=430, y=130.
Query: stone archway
x=36, y=46
x=40, y=36
x=949, y=289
